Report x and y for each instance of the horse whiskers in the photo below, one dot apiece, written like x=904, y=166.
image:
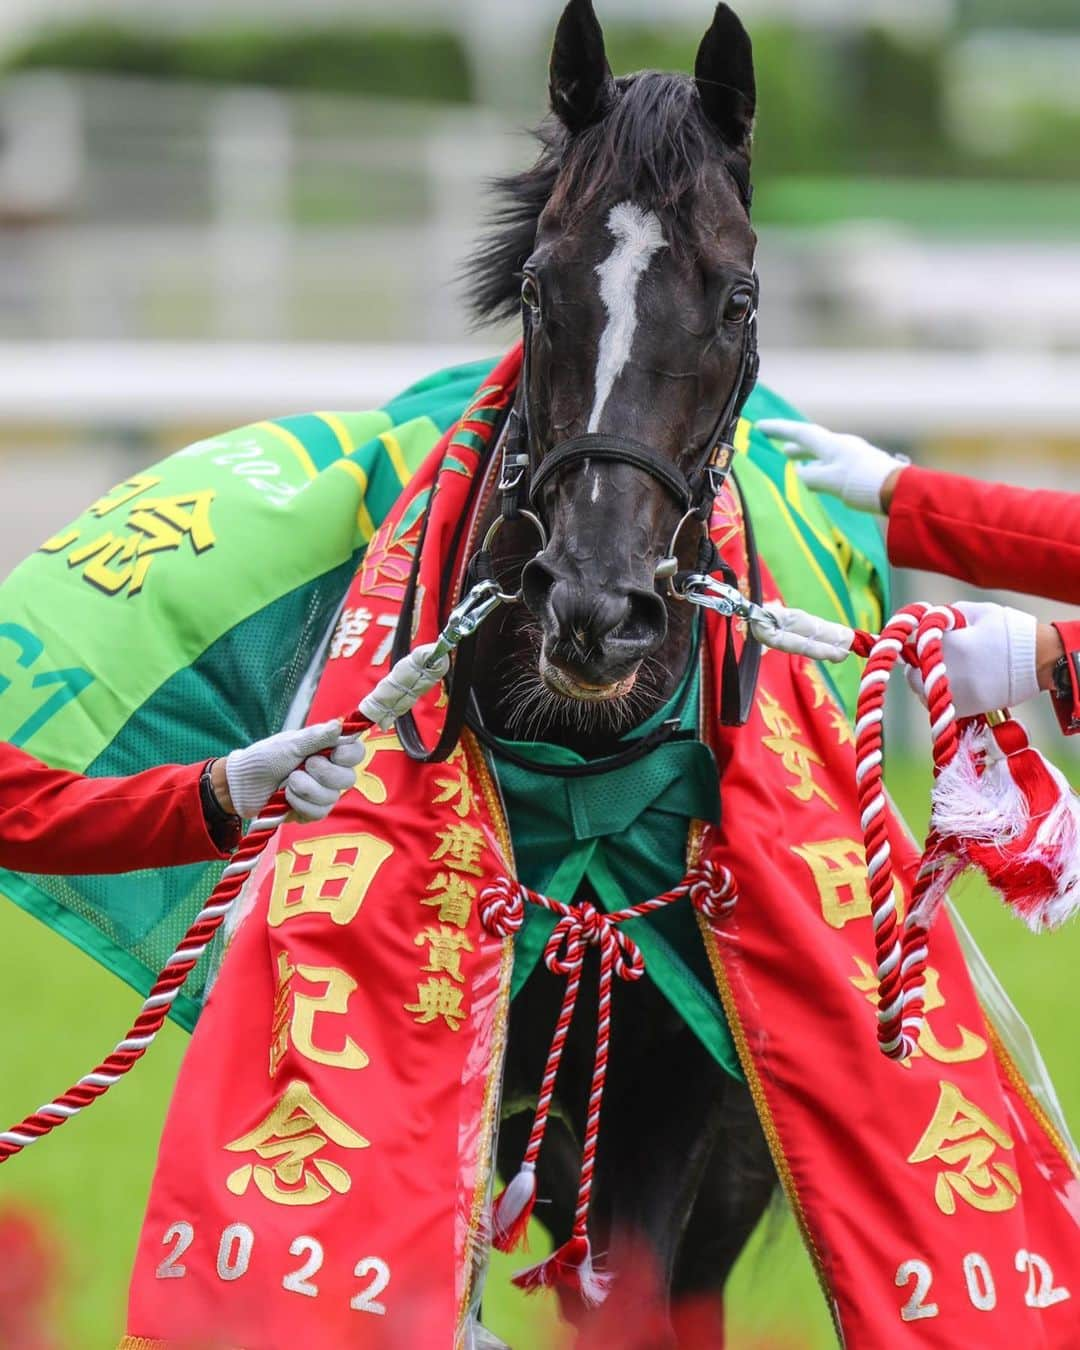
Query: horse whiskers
x=511, y=566
x=532, y=707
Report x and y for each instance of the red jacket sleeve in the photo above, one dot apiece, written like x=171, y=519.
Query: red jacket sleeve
x=56, y=822
x=994, y=536
x=1068, y=707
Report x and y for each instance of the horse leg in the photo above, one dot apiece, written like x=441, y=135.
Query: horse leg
x=533, y=1016
x=735, y=1191
x=660, y=1120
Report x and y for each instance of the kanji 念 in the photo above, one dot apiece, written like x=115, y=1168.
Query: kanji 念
x=438, y=998
x=288, y=1141
x=967, y=1142
x=445, y=945
x=460, y=847
x=113, y=562
x=454, y=897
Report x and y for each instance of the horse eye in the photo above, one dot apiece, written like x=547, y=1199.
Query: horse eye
x=530, y=294
x=738, y=306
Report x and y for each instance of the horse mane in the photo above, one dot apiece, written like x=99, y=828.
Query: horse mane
x=655, y=145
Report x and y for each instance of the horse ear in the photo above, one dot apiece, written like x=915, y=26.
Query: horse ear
x=724, y=74
x=580, y=80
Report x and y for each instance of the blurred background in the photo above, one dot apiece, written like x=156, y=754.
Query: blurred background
x=221, y=210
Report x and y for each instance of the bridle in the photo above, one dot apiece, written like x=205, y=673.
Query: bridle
x=523, y=476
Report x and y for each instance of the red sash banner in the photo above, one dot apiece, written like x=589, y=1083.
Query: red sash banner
x=938, y=1203
x=325, y=1169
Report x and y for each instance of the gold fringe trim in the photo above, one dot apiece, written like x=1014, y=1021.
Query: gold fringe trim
x=1024, y=1092
x=149, y=1343
x=757, y=1091
x=477, y=1227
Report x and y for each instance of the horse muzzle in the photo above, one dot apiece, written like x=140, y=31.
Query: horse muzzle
x=595, y=637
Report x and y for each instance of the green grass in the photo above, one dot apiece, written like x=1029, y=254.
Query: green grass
x=90, y=1180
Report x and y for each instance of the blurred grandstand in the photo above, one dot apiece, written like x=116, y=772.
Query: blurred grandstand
x=221, y=210
x=208, y=216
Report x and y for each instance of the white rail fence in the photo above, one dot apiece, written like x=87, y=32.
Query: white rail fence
x=898, y=395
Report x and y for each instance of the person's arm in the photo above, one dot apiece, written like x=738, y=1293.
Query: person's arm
x=991, y=535
x=984, y=533
x=56, y=822
x=1060, y=667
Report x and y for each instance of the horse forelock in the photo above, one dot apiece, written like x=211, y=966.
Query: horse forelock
x=655, y=147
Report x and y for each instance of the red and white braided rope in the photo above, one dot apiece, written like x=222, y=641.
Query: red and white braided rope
x=168, y=984
x=901, y=952
x=711, y=889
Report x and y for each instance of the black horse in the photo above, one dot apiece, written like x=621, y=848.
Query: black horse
x=629, y=248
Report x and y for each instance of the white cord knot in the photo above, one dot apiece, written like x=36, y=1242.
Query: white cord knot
x=502, y=907
x=713, y=890
x=586, y=926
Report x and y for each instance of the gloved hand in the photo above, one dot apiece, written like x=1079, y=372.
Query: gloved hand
x=847, y=466
x=313, y=783
x=990, y=663
x=801, y=634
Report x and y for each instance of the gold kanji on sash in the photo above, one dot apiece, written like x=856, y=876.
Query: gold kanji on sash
x=964, y=1138
x=970, y=1045
x=445, y=945
x=456, y=791
x=297, y=1129
x=438, y=998
x=295, y=1013
x=114, y=562
x=798, y=760
x=459, y=848
x=349, y=633
x=845, y=732
x=333, y=879
x=279, y=1023
x=839, y=870
x=368, y=783
x=454, y=897
x=811, y=672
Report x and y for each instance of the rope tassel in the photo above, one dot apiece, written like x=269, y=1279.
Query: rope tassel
x=1001, y=807
x=711, y=889
x=570, y=1266
x=513, y=1209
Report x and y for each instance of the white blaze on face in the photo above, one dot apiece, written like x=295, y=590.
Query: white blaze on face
x=638, y=235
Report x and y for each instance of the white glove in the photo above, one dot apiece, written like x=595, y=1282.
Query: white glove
x=313, y=783
x=801, y=634
x=991, y=662
x=847, y=466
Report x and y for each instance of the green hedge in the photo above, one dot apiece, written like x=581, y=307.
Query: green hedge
x=866, y=101
x=428, y=65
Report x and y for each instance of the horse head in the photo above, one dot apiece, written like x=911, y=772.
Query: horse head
x=629, y=248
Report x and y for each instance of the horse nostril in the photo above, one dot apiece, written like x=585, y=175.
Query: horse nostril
x=537, y=582
x=646, y=618
x=584, y=619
